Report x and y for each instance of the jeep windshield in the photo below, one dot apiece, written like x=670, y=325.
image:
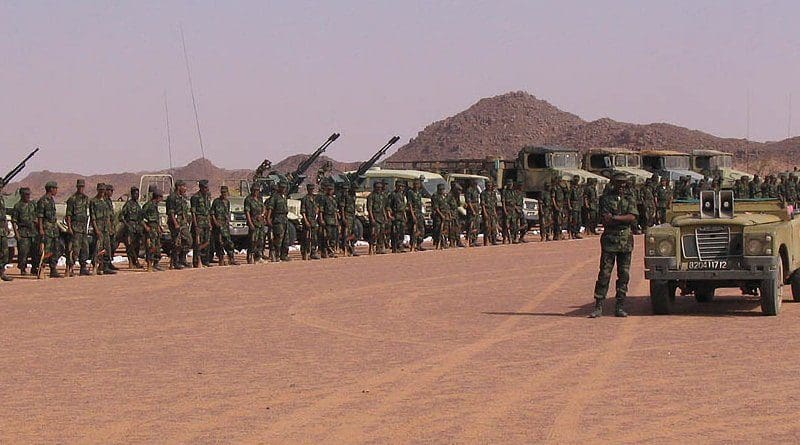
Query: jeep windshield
x=564, y=160
x=632, y=161
x=429, y=186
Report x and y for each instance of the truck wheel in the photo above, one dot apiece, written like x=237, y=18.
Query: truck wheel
x=771, y=293
x=795, y=282
x=660, y=297
x=704, y=294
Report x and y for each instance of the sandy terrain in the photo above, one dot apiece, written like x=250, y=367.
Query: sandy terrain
x=489, y=345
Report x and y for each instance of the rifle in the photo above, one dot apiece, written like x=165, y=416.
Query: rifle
x=15, y=171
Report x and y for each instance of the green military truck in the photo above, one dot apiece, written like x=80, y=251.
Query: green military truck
x=605, y=161
x=714, y=163
x=669, y=164
x=714, y=243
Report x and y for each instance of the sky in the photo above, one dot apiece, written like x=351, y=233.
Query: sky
x=88, y=81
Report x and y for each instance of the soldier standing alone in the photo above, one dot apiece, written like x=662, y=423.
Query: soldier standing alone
x=618, y=212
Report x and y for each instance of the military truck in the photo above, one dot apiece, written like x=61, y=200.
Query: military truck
x=714, y=243
x=605, y=161
x=671, y=164
x=716, y=163
x=537, y=165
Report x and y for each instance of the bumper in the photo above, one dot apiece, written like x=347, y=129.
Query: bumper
x=240, y=231
x=745, y=268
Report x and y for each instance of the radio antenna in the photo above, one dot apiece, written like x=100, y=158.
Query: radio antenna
x=191, y=90
x=169, y=136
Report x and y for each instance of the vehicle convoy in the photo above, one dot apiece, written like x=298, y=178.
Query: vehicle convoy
x=266, y=180
x=717, y=243
x=671, y=164
x=605, y=161
x=716, y=163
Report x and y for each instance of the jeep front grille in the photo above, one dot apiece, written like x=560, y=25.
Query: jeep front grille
x=713, y=243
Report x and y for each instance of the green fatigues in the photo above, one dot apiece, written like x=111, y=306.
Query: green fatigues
x=453, y=228
x=279, y=211
x=545, y=214
x=178, y=207
x=664, y=196
x=754, y=189
x=616, y=244
x=221, y=209
x=201, y=231
x=46, y=210
x=489, y=203
x=649, y=206
x=559, y=211
x=415, y=231
x=255, y=208
x=102, y=220
x=471, y=200
x=575, y=205
x=397, y=205
x=590, y=206
x=24, y=218
x=376, y=206
x=510, y=215
x=330, y=210
x=78, y=211
x=347, y=207
x=439, y=202
x=310, y=212
x=131, y=216
x=521, y=221
x=152, y=238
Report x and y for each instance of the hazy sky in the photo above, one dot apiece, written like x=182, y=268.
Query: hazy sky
x=86, y=80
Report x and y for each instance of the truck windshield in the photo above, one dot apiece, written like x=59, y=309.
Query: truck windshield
x=676, y=162
x=429, y=186
x=721, y=162
x=564, y=160
x=634, y=161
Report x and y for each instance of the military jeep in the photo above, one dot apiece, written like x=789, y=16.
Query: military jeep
x=752, y=245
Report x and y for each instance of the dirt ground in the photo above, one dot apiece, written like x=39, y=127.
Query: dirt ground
x=487, y=345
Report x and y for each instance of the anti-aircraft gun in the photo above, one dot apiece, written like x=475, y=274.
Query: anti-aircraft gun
x=15, y=171
x=356, y=178
x=297, y=177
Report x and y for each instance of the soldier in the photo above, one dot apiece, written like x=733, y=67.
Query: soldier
x=453, y=227
x=221, y=228
x=546, y=212
x=559, y=209
x=178, y=214
x=415, y=217
x=510, y=213
x=23, y=219
x=754, y=187
x=590, y=205
x=254, y=212
x=131, y=216
x=376, y=208
x=618, y=212
x=347, y=215
x=277, y=208
x=4, y=259
x=663, y=200
x=200, y=208
x=309, y=212
x=77, y=221
x=151, y=224
x=396, y=208
x=575, y=206
x=330, y=222
x=48, y=230
x=744, y=187
x=522, y=223
x=472, y=205
x=101, y=222
x=440, y=211
x=649, y=203
x=636, y=194
x=489, y=211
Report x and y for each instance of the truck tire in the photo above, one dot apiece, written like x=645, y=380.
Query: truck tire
x=662, y=294
x=771, y=292
x=795, y=282
x=704, y=294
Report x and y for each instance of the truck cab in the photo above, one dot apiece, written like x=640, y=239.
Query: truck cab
x=716, y=163
x=537, y=165
x=605, y=161
x=670, y=164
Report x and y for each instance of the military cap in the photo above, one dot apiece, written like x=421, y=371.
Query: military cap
x=51, y=184
x=101, y=186
x=179, y=183
x=24, y=190
x=109, y=187
x=80, y=183
x=223, y=188
x=134, y=188
x=203, y=183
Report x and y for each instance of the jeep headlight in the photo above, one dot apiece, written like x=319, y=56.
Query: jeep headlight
x=660, y=245
x=758, y=244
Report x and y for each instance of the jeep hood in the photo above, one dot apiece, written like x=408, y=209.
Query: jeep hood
x=744, y=219
x=568, y=173
x=674, y=175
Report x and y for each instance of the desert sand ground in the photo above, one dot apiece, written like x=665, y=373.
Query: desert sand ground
x=487, y=345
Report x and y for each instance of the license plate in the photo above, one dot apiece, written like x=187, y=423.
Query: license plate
x=708, y=265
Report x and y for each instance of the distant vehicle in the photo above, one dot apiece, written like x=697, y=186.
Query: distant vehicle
x=671, y=164
x=605, y=161
x=716, y=163
x=537, y=165
x=713, y=243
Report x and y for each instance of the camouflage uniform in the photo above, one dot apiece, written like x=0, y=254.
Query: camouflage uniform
x=453, y=229
x=48, y=231
x=559, y=210
x=546, y=213
x=575, y=206
x=179, y=209
x=221, y=232
x=278, y=210
x=78, y=214
x=416, y=231
x=309, y=210
x=4, y=258
x=347, y=209
x=397, y=205
x=440, y=210
x=590, y=205
x=755, y=187
x=489, y=209
x=664, y=199
x=376, y=206
x=131, y=216
x=200, y=207
x=510, y=214
x=151, y=225
x=330, y=220
x=472, y=205
x=616, y=245
x=254, y=207
x=23, y=217
x=102, y=223
x=522, y=223
x=649, y=204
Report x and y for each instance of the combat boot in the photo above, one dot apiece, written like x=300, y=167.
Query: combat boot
x=232, y=260
x=84, y=271
x=314, y=256
x=156, y=267
x=5, y=277
x=54, y=272
x=598, y=309
x=618, y=307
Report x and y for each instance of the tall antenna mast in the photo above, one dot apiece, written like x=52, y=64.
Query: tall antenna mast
x=789, y=119
x=169, y=136
x=194, y=101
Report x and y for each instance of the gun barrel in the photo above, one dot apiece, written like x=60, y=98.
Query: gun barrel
x=15, y=171
x=366, y=165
